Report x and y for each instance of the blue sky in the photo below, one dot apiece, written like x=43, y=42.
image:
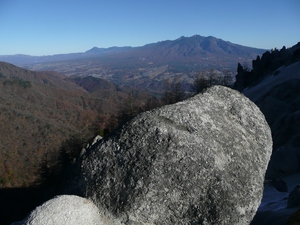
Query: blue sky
x=37, y=27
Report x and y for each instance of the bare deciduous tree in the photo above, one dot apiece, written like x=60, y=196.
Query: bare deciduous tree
x=227, y=79
x=174, y=91
x=200, y=83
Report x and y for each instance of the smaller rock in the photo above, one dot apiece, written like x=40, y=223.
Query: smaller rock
x=294, y=197
x=96, y=139
x=67, y=210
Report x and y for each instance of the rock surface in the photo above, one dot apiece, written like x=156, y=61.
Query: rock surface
x=67, y=210
x=278, y=97
x=200, y=161
x=294, y=197
x=273, y=209
x=294, y=219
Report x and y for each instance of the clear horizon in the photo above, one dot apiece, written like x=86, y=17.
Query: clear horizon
x=56, y=27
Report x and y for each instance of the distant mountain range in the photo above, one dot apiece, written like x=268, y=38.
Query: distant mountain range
x=146, y=66
x=21, y=59
x=184, y=49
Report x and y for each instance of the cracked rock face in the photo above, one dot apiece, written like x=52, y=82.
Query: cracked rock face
x=200, y=161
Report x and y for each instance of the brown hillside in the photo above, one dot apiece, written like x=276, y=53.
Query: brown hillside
x=40, y=110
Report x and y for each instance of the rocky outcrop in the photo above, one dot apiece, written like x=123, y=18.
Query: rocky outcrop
x=294, y=197
x=278, y=97
x=282, y=110
x=264, y=65
x=294, y=219
x=277, y=207
x=67, y=210
x=200, y=161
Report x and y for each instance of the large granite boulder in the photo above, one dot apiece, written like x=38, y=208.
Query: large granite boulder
x=67, y=210
x=200, y=161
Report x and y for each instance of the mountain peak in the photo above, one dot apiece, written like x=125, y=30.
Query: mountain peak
x=94, y=50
